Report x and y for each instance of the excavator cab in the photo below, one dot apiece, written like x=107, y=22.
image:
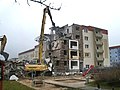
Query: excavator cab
x=3, y=41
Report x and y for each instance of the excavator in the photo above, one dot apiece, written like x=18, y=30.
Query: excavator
x=41, y=66
x=3, y=41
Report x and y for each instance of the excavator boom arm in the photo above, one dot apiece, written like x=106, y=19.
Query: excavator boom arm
x=3, y=41
x=46, y=10
x=42, y=37
x=42, y=66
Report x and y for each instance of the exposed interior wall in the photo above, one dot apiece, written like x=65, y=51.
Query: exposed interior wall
x=74, y=64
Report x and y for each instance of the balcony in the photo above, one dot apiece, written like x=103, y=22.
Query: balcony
x=100, y=58
x=99, y=43
x=98, y=35
x=99, y=50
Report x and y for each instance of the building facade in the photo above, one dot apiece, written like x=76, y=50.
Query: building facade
x=26, y=55
x=73, y=48
x=114, y=55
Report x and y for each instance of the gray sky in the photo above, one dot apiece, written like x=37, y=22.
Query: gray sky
x=22, y=23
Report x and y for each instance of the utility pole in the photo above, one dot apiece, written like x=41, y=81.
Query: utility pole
x=1, y=74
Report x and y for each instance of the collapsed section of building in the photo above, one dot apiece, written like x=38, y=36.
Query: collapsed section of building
x=72, y=48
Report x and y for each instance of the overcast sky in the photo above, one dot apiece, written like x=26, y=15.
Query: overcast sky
x=22, y=23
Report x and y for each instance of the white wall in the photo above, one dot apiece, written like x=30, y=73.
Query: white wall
x=74, y=67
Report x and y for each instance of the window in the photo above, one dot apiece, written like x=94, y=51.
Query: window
x=99, y=63
x=77, y=36
x=86, y=38
x=65, y=52
x=67, y=30
x=65, y=42
x=77, y=28
x=57, y=63
x=73, y=63
x=73, y=53
x=86, y=30
x=65, y=63
x=80, y=54
x=87, y=54
x=87, y=66
x=49, y=54
x=73, y=44
x=86, y=46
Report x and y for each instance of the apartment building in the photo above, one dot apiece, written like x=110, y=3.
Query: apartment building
x=26, y=55
x=33, y=54
x=90, y=47
x=114, y=55
x=73, y=48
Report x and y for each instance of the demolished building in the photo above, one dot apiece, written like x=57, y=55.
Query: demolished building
x=73, y=48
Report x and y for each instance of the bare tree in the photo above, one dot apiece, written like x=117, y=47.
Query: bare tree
x=42, y=2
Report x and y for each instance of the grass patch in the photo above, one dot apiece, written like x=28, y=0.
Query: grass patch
x=13, y=85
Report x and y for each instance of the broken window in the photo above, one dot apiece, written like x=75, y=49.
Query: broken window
x=65, y=52
x=65, y=42
x=49, y=54
x=80, y=54
x=73, y=53
x=77, y=36
x=67, y=30
x=77, y=28
x=65, y=63
x=73, y=63
x=57, y=63
x=73, y=43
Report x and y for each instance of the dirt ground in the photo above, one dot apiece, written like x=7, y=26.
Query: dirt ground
x=66, y=79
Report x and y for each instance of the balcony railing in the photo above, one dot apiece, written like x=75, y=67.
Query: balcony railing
x=99, y=43
x=99, y=50
x=98, y=35
x=100, y=59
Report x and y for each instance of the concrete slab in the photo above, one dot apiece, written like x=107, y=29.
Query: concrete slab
x=80, y=84
x=68, y=85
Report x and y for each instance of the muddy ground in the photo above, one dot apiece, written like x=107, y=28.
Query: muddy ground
x=45, y=86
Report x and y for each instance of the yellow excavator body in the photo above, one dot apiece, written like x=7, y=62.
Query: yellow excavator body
x=33, y=67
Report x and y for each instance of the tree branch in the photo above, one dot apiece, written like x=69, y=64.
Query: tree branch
x=42, y=3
